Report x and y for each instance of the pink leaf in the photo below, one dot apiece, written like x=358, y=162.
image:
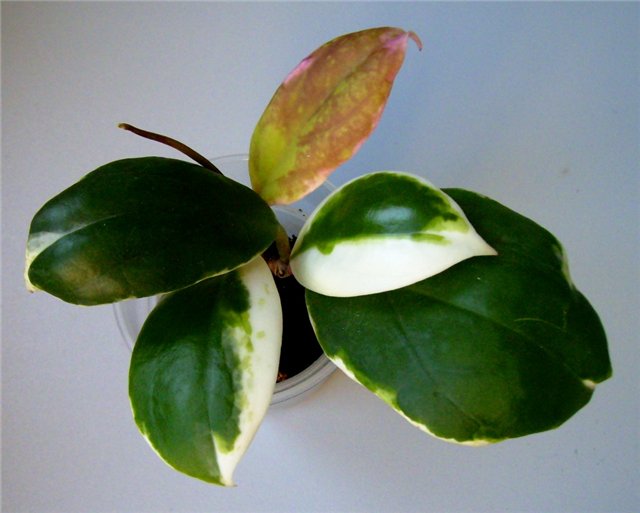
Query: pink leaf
x=324, y=111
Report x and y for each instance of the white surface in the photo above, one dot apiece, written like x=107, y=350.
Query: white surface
x=533, y=104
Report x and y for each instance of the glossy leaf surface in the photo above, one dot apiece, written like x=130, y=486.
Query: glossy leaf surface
x=139, y=227
x=380, y=232
x=204, y=368
x=492, y=348
x=323, y=112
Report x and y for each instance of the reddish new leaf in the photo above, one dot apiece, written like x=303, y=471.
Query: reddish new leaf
x=323, y=112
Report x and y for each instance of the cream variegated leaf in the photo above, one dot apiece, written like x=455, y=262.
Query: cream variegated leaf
x=490, y=349
x=380, y=232
x=204, y=368
x=143, y=226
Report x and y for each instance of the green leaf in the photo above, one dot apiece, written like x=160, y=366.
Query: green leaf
x=139, y=227
x=204, y=368
x=323, y=112
x=379, y=232
x=492, y=348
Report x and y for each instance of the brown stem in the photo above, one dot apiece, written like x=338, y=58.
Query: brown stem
x=278, y=253
x=284, y=252
x=181, y=147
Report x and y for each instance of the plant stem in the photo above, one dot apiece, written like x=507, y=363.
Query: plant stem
x=181, y=147
x=281, y=266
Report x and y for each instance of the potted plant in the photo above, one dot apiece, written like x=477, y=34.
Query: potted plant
x=455, y=310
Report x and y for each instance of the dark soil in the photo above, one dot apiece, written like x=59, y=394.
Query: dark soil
x=300, y=347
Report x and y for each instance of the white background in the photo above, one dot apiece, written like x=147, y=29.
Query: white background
x=535, y=105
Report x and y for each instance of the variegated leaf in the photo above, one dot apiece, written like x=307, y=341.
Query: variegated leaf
x=204, y=368
x=380, y=232
x=323, y=112
x=143, y=226
x=492, y=348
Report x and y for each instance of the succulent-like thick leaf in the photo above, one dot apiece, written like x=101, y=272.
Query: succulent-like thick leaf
x=323, y=112
x=139, y=227
x=492, y=348
x=380, y=232
x=204, y=368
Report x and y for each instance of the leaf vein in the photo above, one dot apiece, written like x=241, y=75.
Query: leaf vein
x=552, y=355
x=424, y=366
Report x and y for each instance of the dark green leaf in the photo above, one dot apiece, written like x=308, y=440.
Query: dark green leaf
x=139, y=227
x=492, y=348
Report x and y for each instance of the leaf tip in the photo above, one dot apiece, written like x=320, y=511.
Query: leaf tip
x=416, y=39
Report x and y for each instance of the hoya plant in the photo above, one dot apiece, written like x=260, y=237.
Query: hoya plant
x=455, y=310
